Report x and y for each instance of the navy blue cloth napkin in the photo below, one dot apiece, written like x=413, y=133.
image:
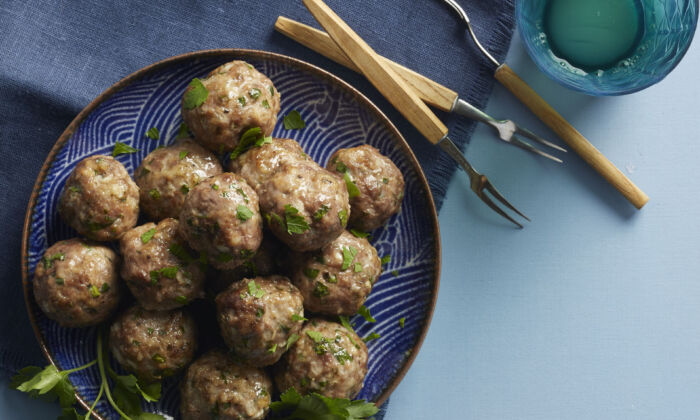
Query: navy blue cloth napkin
x=56, y=56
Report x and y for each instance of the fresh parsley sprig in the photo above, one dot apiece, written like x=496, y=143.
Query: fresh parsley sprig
x=293, y=121
x=251, y=137
x=294, y=406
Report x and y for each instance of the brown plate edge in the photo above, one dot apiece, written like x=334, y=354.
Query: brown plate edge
x=68, y=132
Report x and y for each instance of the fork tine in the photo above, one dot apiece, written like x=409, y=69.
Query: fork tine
x=532, y=136
x=527, y=146
x=485, y=198
x=490, y=188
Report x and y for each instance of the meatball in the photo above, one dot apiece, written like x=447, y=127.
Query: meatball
x=221, y=218
x=337, y=279
x=258, y=316
x=380, y=185
x=239, y=97
x=77, y=283
x=258, y=164
x=327, y=358
x=263, y=263
x=153, y=344
x=216, y=387
x=100, y=201
x=167, y=174
x=159, y=268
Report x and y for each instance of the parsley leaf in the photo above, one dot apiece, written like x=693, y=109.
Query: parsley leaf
x=402, y=322
x=183, y=131
x=311, y=273
x=148, y=235
x=348, y=255
x=372, y=336
x=316, y=336
x=293, y=121
x=48, y=261
x=153, y=133
x=195, y=95
x=252, y=136
x=294, y=406
x=272, y=349
x=243, y=213
x=321, y=212
x=343, y=217
x=254, y=290
x=359, y=233
x=386, y=259
x=295, y=222
x=297, y=317
x=364, y=312
x=291, y=340
x=169, y=272
x=122, y=149
x=353, y=191
x=395, y=273
x=358, y=267
x=254, y=93
x=183, y=154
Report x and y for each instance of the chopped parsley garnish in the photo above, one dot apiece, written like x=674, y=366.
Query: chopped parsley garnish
x=341, y=167
x=385, y=180
x=343, y=217
x=48, y=261
x=254, y=290
x=353, y=191
x=372, y=336
x=169, y=272
x=272, y=349
x=395, y=273
x=122, y=149
x=158, y=358
x=181, y=300
x=195, y=95
x=265, y=104
x=364, y=312
x=291, y=340
x=105, y=288
x=315, y=406
x=297, y=317
x=348, y=255
x=154, y=193
x=153, y=133
x=272, y=91
x=74, y=188
x=215, y=186
x=243, y=213
x=241, y=100
x=183, y=154
x=294, y=221
x=321, y=290
x=321, y=212
x=254, y=93
x=386, y=259
x=94, y=291
x=148, y=235
x=59, y=280
x=259, y=313
x=359, y=233
x=293, y=121
x=316, y=336
x=183, y=131
x=402, y=322
x=180, y=252
x=251, y=137
x=311, y=273
x=358, y=267
x=185, y=189
x=243, y=194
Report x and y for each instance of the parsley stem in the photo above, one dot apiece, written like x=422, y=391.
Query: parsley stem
x=92, y=407
x=101, y=365
x=85, y=366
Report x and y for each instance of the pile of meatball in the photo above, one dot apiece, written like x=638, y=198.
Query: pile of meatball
x=264, y=245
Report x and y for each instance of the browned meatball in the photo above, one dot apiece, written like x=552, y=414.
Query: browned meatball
x=265, y=262
x=100, y=200
x=337, y=279
x=258, y=316
x=221, y=218
x=380, y=185
x=167, y=174
x=153, y=344
x=216, y=387
x=239, y=97
x=327, y=359
x=159, y=268
x=258, y=164
x=77, y=283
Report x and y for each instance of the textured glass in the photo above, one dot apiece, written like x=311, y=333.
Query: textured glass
x=669, y=26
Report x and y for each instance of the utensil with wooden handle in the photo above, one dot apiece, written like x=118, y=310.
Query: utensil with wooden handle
x=525, y=94
x=397, y=91
x=427, y=90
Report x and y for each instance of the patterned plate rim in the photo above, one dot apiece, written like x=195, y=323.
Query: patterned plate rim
x=254, y=54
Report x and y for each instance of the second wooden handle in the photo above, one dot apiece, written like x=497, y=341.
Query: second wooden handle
x=508, y=78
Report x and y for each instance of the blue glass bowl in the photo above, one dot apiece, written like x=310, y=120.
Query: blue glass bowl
x=669, y=26
x=336, y=116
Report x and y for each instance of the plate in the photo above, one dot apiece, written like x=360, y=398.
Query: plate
x=336, y=115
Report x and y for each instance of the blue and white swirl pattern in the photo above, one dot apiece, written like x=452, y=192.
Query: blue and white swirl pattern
x=336, y=117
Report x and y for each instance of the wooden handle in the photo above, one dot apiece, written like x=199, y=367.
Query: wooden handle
x=429, y=91
x=394, y=89
x=508, y=78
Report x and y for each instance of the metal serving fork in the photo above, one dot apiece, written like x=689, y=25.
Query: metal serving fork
x=396, y=91
x=427, y=90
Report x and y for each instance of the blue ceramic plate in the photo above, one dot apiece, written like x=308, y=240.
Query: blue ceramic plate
x=336, y=115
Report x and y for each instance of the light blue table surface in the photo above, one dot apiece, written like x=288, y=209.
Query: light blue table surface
x=593, y=310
